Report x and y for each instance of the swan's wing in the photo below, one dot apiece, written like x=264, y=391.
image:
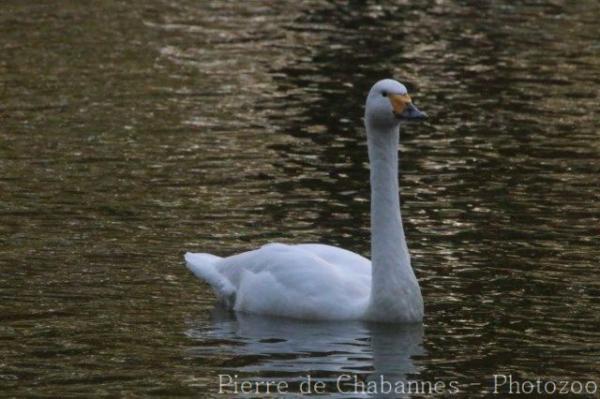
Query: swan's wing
x=339, y=256
x=302, y=281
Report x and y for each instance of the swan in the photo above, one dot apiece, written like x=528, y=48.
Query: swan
x=316, y=281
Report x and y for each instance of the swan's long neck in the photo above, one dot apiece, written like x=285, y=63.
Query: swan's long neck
x=394, y=286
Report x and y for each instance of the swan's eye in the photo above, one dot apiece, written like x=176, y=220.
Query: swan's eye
x=384, y=93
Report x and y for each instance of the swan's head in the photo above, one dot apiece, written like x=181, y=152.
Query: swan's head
x=388, y=104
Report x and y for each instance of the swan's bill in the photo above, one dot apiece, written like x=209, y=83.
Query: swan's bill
x=404, y=108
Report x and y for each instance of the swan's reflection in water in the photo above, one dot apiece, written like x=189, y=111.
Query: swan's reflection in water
x=258, y=348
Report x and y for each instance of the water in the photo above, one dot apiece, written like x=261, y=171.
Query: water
x=134, y=131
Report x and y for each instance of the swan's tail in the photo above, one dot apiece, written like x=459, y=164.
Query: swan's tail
x=204, y=267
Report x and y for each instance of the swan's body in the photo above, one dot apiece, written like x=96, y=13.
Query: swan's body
x=315, y=281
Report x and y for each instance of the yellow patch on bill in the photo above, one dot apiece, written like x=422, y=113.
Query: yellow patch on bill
x=399, y=102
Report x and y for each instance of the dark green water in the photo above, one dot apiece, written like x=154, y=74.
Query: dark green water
x=131, y=132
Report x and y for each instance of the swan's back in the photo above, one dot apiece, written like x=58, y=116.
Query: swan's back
x=307, y=281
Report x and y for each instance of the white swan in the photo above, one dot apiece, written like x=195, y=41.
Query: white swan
x=315, y=281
